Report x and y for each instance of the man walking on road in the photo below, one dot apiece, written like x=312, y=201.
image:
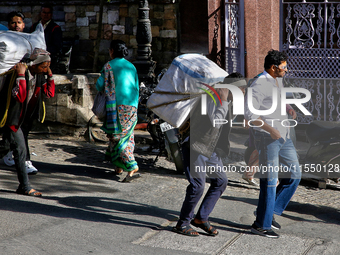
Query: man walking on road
x=203, y=149
x=26, y=96
x=276, y=149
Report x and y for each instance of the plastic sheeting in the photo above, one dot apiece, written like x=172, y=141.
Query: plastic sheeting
x=185, y=75
x=15, y=45
x=3, y=28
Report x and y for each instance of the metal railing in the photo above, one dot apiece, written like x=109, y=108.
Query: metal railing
x=310, y=35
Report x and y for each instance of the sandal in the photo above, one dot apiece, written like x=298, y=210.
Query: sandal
x=118, y=171
x=185, y=230
x=129, y=178
x=211, y=231
x=31, y=192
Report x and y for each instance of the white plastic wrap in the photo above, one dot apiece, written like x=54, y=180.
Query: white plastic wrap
x=15, y=45
x=184, y=75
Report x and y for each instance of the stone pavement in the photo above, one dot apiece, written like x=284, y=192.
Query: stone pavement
x=86, y=209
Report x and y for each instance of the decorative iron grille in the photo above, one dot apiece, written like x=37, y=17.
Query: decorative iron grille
x=234, y=31
x=310, y=35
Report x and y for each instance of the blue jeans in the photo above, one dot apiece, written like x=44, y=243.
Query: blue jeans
x=275, y=155
x=196, y=186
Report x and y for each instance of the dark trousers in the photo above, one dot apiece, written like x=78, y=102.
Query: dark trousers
x=196, y=187
x=26, y=128
x=16, y=143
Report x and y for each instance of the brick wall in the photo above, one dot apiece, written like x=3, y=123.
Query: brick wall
x=80, y=19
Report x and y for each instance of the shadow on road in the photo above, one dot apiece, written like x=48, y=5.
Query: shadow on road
x=93, y=209
x=94, y=155
x=322, y=213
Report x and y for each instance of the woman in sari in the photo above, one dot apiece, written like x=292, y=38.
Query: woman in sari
x=119, y=82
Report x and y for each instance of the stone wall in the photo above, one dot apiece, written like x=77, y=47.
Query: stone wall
x=73, y=99
x=79, y=19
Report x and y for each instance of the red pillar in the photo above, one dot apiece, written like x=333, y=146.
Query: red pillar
x=262, y=25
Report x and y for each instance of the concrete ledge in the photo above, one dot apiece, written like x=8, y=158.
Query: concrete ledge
x=73, y=99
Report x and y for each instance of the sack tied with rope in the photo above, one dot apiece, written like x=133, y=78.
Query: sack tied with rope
x=182, y=85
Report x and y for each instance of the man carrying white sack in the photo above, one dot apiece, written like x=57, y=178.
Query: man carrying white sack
x=27, y=97
x=16, y=23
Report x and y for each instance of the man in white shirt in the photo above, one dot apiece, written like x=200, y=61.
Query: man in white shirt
x=272, y=139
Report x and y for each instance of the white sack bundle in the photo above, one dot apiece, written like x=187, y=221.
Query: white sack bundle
x=183, y=80
x=15, y=45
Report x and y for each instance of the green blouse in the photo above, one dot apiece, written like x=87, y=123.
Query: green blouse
x=126, y=82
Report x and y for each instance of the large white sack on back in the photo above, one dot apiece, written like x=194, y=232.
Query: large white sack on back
x=15, y=45
x=183, y=76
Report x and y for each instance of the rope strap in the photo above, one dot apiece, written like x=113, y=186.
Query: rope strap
x=178, y=93
x=44, y=112
x=192, y=95
x=8, y=72
x=172, y=102
x=9, y=96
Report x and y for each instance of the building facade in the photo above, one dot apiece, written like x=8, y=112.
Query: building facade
x=236, y=34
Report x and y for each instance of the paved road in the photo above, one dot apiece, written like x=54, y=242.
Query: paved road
x=86, y=209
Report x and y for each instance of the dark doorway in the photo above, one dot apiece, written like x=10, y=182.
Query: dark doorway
x=194, y=26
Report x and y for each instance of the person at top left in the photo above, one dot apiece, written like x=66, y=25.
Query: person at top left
x=16, y=21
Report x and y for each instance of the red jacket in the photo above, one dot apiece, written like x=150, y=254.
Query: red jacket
x=24, y=109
